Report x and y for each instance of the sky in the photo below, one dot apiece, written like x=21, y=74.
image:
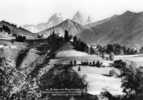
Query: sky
x=36, y=11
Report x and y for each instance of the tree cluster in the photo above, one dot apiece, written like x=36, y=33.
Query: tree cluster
x=79, y=45
x=132, y=80
x=5, y=28
x=62, y=77
x=19, y=38
x=56, y=41
x=117, y=49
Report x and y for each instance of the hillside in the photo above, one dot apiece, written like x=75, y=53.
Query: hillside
x=72, y=27
x=126, y=29
x=14, y=30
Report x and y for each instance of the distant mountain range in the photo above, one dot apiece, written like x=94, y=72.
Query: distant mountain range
x=125, y=29
x=58, y=18
x=54, y=20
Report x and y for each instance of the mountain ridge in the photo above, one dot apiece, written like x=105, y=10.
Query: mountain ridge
x=126, y=29
x=72, y=27
x=54, y=20
x=58, y=18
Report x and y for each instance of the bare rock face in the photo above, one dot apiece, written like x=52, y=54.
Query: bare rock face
x=54, y=20
x=82, y=18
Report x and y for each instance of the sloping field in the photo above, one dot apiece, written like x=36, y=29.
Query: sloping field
x=71, y=53
x=98, y=83
x=65, y=56
x=138, y=59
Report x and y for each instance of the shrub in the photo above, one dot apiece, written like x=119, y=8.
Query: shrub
x=84, y=63
x=98, y=64
x=119, y=64
x=20, y=38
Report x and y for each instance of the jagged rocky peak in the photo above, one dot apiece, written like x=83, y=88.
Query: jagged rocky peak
x=55, y=19
x=56, y=16
x=82, y=18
